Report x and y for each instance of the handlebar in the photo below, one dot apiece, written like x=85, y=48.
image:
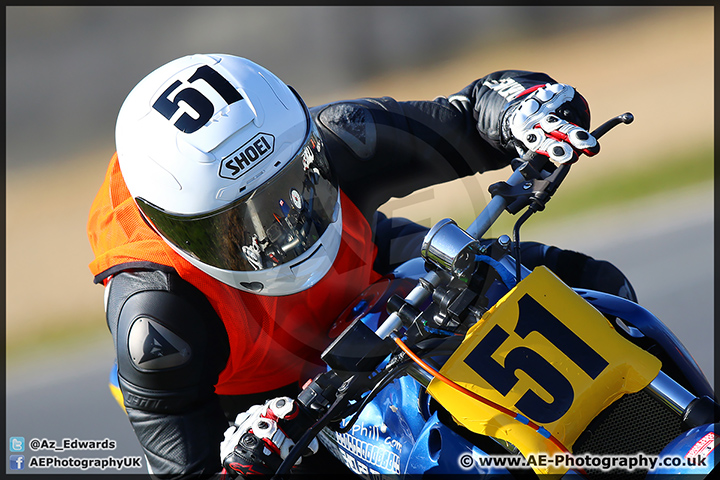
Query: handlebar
x=489, y=215
x=497, y=204
x=493, y=210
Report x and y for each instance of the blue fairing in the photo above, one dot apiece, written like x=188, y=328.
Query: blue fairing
x=397, y=433
x=650, y=326
x=381, y=439
x=639, y=317
x=439, y=450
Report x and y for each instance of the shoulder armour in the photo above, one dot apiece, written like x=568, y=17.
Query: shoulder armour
x=353, y=125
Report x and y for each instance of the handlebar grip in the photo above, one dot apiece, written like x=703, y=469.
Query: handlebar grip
x=493, y=210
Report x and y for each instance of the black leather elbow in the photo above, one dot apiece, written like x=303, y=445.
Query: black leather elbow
x=165, y=363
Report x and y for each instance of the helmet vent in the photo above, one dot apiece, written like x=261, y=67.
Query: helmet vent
x=252, y=286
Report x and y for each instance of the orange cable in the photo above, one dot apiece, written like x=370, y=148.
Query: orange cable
x=472, y=394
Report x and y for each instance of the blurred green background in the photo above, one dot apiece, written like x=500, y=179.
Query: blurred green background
x=69, y=68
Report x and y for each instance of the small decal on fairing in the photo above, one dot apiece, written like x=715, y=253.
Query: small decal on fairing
x=368, y=452
x=703, y=447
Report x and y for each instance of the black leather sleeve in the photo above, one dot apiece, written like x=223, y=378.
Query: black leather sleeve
x=171, y=347
x=382, y=148
x=398, y=240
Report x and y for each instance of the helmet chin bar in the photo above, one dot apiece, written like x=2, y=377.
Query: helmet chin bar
x=292, y=277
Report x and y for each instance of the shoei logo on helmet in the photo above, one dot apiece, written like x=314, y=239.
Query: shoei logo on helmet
x=244, y=158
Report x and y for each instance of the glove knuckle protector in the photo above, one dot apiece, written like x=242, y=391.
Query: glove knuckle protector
x=264, y=428
x=262, y=438
x=551, y=123
x=551, y=109
x=281, y=407
x=559, y=152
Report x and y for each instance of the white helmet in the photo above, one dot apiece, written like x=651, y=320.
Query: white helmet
x=224, y=161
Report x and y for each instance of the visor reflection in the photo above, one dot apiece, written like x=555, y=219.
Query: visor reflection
x=272, y=225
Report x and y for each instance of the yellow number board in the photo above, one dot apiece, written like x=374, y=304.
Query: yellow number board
x=544, y=352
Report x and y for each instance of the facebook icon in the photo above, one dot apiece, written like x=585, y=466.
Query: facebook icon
x=17, y=462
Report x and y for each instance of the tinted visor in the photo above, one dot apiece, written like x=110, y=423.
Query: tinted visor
x=269, y=226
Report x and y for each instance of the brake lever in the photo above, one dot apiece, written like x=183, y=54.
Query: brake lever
x=555, y=179
x=626, y=118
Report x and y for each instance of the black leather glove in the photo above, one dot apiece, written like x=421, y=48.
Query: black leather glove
x=546, y=120
x=260, y=439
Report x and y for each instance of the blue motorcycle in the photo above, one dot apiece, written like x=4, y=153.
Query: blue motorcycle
x=465, y=362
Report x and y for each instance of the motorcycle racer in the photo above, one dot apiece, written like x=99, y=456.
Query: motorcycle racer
x=234, y=224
